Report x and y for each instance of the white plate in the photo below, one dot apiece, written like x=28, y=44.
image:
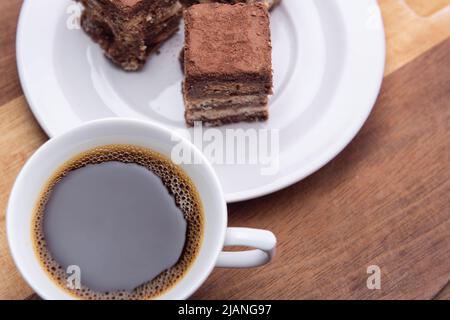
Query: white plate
x=328, y=58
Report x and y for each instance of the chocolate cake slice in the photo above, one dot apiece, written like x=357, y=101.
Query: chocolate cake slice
x=129, y=30
x=227, y=63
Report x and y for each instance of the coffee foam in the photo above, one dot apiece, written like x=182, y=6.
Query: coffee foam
x=178, y=184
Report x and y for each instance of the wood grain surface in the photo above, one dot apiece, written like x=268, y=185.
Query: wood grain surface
x=384, y=200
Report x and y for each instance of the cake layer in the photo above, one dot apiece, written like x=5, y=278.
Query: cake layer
x=268, y=3
x=218, y=118
x=227, y=42
x=128, y=8
x=207, y=89
x=155, y=34
x=225, y=102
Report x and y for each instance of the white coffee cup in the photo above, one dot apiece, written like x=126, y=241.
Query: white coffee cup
x=56, y=151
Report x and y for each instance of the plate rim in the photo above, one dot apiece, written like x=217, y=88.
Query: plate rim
x=379, y=45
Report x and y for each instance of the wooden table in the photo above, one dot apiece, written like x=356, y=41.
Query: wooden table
x=383, y=201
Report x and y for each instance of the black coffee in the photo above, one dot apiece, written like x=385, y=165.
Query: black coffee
x=127, y=217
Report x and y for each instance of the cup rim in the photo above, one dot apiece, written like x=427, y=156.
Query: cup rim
x=149, y=125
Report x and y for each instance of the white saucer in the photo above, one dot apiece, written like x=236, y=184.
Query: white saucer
x=328, y=59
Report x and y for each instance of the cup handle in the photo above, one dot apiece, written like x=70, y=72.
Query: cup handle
x=263, y=241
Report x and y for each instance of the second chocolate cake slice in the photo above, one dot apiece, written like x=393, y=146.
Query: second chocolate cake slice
x=129, y=30
x=227, y=62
